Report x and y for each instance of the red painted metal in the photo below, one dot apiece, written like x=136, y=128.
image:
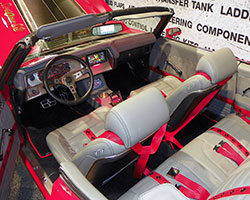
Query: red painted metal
x=12, y=28
x=61, y=191
x=34, y=175
x=94, y=6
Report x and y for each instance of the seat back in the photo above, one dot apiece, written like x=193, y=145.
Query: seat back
x=132, y=121
x=211, y=69
x=239, y=178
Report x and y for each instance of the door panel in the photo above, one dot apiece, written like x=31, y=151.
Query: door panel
x=10, y=147
x=182, y=56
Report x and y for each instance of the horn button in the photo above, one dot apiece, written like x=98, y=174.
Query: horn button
x=69, y=80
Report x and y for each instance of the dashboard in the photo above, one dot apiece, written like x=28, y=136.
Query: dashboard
x=101, y=56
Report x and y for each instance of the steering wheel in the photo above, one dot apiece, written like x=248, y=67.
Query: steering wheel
x=68, y=78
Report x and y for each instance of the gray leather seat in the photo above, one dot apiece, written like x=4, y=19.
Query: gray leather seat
x=200, y=163
x=219, y=65
x=132, y=121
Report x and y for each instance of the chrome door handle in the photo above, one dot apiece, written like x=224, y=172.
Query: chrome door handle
x=4, y=131
x=1, y=105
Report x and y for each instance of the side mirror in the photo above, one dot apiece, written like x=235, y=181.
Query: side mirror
x=171, y=32
x=107, y=29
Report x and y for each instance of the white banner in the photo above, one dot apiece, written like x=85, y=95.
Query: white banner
x=210, y=24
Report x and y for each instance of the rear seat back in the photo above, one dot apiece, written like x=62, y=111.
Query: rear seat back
x=218, y=65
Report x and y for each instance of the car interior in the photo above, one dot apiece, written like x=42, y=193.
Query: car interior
x=88, y=108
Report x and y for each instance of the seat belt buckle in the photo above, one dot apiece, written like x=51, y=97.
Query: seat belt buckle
x=216, y=148
x=221, y=143
x=173, y=172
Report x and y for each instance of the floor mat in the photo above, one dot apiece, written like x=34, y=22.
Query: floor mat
x=39, y=122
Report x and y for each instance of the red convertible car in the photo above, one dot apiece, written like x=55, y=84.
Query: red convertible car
x=100, y=111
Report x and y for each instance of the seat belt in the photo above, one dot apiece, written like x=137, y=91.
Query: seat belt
x=232, y=192
x=192, y=190
x=170, y=135
x=226, y=150
x=230, y=138
x=145, y=151
x=195, y=191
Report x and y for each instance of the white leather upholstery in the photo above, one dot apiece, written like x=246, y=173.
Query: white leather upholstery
x=167, y=85
x=132, y=120
x=218, y=65
x=139, y=117
x=200, y=163
x=169, y=191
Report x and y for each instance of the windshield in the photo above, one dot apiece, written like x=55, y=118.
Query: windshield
x=78, y=30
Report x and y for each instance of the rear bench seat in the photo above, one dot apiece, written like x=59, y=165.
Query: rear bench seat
x=199, y=162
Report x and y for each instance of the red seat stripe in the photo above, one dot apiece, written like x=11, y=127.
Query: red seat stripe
x=203, y=74
x=90, y=134
x=158, y=177
x=233, y=192
x=112, y=137
x=107, y=134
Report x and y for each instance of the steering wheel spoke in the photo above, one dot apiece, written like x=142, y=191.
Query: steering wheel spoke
x=55, y=81
x=73, y=91
x=81, y=74
x=68, y=79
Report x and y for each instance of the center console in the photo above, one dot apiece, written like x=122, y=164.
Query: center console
x=101, y=94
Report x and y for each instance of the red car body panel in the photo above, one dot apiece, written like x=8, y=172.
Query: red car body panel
x=13, y=28
x=94, y=6
x=61, y=191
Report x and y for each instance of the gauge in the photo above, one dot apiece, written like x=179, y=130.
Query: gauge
x=33, y=79
x=56, y=71
x=41, y=75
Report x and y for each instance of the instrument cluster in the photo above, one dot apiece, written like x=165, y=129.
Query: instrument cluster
x=56, y=71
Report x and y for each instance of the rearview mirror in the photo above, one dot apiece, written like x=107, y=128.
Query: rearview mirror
x=171, y=32
x=107, y=29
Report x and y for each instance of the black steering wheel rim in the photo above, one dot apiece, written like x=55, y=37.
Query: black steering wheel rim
x=88, y=71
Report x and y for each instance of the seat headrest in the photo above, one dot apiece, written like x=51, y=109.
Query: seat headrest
x=219, y=65
x=137, y=117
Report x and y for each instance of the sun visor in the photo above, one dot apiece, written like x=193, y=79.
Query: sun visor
x=70, y=25
x=143, y=15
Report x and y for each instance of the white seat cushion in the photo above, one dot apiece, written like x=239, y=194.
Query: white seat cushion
x=167, y=85
x=68, y=140
x=198, y=161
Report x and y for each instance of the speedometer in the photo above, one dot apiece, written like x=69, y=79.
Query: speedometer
x=56, y=71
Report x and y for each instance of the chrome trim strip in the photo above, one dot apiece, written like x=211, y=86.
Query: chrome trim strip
x=43, y=176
